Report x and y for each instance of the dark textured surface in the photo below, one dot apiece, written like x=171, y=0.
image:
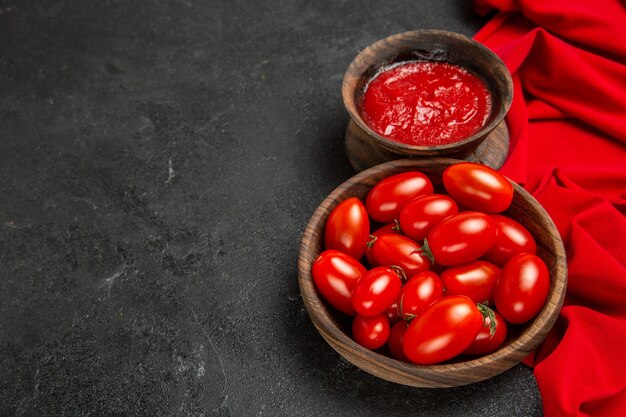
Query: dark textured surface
x=158, y=163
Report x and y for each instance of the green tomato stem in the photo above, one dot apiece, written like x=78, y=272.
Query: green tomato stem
x=398, y=270
x=371, y=242
x=425, y=250
x=488, y=312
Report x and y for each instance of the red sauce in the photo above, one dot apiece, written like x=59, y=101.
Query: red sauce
x=426, y=103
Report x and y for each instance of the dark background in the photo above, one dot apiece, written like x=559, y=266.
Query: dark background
x=159, y=160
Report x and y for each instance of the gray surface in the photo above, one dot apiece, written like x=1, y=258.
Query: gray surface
x=158, y=163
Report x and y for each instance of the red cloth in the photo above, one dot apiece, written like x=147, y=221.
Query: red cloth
x=568, y=147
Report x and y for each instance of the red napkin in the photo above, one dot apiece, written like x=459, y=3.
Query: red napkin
x=568, y=147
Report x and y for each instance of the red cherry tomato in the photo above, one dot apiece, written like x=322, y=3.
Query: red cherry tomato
x=371, y=332
x=462, y=238
x=478, y=187
x=475, y=279
x=485, y=342
x=512, y=239
x=393, y=314
x=423, y=289
x=443, y=331
x=347, y=228
x=335, y=275
x=388, y=229
x=390, y=250
x=522, y=288
x=395, y=340
x=421, y=214
x=387, y=197
x=376, y=291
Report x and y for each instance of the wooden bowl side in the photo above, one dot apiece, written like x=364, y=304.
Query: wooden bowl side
x=435, y=45
x=550, y=249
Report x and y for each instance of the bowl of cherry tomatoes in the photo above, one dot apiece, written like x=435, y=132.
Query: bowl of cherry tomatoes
x=432, y=273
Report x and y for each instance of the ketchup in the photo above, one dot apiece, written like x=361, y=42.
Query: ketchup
x=426, y=103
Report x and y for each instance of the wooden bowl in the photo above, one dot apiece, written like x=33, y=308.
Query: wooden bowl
x=334, y=326
x=430, y=45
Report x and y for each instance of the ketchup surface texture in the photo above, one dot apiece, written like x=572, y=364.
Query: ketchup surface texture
x=426, y=103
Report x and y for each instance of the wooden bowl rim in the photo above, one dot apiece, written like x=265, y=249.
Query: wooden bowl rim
x=326, y=323
x=351, y=106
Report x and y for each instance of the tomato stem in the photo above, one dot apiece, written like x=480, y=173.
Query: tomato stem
x=371, y=242
x=488, y=312
x=398, y=270
x=396, y=226
x=425, y=250
x=408, y=317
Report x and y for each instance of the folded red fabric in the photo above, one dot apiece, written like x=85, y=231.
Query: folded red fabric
x=568, y=147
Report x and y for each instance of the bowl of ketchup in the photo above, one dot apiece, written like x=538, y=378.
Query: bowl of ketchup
x=424, y=93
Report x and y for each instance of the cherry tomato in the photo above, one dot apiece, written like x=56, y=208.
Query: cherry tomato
x=522, y=288
x=475, y=279
x=423, y=289
x=335, y=275
x=512, y=239
x=387, y=197
x=390, y=250
x=443, y=331
x=388, y=229
x=393, y=314
x=462, y=238
x=376, y=291
x=347, y=228
x=421, y=214
x=395, y=340
x=478, y=187
x=371, y=332
x=485, y=342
